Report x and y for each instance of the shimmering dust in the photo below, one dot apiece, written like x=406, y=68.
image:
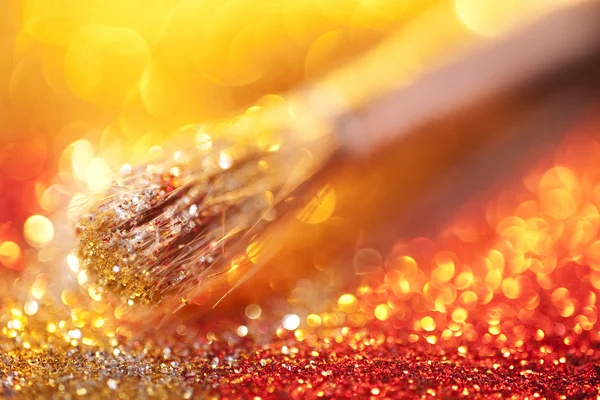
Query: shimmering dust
x=507, y=315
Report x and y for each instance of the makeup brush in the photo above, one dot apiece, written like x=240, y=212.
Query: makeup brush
x=164, y=230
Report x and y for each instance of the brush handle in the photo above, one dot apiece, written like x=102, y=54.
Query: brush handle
x=537, y=51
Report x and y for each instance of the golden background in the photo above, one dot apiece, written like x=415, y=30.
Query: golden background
x=87, y=86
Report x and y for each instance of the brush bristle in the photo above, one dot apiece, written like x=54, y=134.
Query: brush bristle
x=168, y=224
x=163, y=228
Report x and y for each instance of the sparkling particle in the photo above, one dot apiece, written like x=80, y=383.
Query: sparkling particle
x=31, y=307
x=225, y=160
x=73, y=262
x=347, y=302
x=203, y=141
x=38, y=289
x=82, y=277
x=75, y=334
x=38, y=230
x=459, y=315
x=313, y=320
x=242, y=331
x=382, y=312
x=428, y=323
x=9, y=253
x=291, y=321
x=253, y=311
x=125, y=169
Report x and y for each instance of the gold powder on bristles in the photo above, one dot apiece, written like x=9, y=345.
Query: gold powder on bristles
x=164, y=228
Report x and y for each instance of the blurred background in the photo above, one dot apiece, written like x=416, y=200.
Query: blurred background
x=88, y=86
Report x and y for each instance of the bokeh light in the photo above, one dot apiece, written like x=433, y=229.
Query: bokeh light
x=9, y=253
x=38, y=230
x=253, y=311
x=91, y=89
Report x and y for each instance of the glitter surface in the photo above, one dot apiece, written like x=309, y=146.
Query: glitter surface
x=378, y=366
x=477, y=312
